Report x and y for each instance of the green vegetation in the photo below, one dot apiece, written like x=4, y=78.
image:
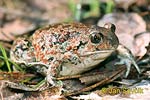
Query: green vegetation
x=5, y=58
x=8, y=61
x=96, y=8
x=109, y=6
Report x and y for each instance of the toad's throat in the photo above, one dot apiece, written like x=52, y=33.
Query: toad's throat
x=89, y=60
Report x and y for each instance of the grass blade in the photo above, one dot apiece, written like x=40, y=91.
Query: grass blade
x=16, y=65
x=6, y=58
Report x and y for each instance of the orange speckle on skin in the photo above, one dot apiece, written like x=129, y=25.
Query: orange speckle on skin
x=67, y=56
x=69, y=48
x=44, y=60
x=53, y=52
x=37, y=47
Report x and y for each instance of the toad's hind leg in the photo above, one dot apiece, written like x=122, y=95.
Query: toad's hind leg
x=52, y=72
x=46, y=70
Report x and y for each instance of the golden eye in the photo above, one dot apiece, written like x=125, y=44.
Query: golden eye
x=96, y=37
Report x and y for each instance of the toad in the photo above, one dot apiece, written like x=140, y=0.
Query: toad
x=65, y=49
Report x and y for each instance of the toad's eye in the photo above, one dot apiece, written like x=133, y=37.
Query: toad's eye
x=96, y=37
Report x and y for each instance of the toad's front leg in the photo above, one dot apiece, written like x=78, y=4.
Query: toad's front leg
x=126, y=57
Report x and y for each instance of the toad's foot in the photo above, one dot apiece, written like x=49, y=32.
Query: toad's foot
x=52, y=82
x=126, y=57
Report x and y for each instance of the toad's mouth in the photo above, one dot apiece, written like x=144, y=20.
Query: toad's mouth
x=97, y=55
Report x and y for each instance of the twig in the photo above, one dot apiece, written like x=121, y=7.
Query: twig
x=78, y=76
x=1, y=87
x=106, y=80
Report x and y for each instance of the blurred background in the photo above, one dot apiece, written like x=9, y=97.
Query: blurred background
x=131, y=17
